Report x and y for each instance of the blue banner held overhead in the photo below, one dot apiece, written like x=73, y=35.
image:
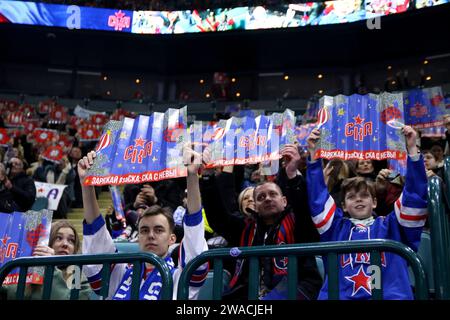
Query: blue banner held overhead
x=250, y=140
x=424, y=108
x=302, y=133
x=361, y=127
x=148, y=148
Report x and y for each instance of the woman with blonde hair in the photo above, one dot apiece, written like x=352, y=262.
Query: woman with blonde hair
x=246, y=202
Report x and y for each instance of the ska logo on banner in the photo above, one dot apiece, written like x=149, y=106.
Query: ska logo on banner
x=148, y=148
x=20, y=232
x=362, y=127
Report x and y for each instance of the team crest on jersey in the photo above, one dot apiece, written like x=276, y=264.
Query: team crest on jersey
x=280, y=262
x=360, y=281
x=351, y=259
x=360, y=228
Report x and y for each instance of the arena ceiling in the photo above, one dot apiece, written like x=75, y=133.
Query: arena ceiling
x=405, y=36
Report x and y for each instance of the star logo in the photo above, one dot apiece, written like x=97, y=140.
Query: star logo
x=154, y=159
x=358, y=120
x=361, y=281
x=5, y=240
x=436, y=100
x=123, y=135
x=341, y=112
x=40, y=190
x=139, y=142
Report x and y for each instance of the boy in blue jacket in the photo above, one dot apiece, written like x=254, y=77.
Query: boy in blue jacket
x=404, y=224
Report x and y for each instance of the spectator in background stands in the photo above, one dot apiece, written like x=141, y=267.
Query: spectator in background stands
x=388, y=189
x=335, y=172
x=59, y=173
x=126, y=229
x=19, y=191
x=431, y=164
x=64, y=240
x=166, y=193
x=366, y=169
x=246, y=202
x=446, y=119
x=438, y=153
x=74, y=156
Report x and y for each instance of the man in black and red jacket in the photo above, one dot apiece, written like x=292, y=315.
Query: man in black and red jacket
x=281, y=217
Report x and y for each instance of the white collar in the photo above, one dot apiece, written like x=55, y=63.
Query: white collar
x=365, y=222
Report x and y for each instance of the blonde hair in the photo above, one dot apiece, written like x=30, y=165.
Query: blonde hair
x=241, y=198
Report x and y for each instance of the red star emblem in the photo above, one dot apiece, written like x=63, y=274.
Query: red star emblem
x=5, y=240
x=139, y=142
x=358, y=120
x=40, y=190
x=436, y=100
x=119, y=14
x=360, y=281
x=284, y=261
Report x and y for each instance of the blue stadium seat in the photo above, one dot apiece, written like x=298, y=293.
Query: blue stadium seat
x=319, y=262
x=206, y=291
x=424, y=253
x=127, y=247
x=40, y=203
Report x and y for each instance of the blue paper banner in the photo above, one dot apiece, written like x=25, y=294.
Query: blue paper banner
x=302, y=133
x=424, y=108
x=359, y=127
x=433, y=132
x=251, y=140
x=118, y=202
x=398, y=166
x=20, y=232
x=310, y=114
x=148, y=148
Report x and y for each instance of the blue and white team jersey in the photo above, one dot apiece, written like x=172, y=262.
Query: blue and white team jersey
x=404, y=224
x=97, y=240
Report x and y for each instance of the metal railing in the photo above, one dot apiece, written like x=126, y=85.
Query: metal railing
x=329, y=249
x=98, y=259
x=438, y=220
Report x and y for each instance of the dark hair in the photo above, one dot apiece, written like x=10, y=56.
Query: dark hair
x=63, y=224
x=357, y=184
x=339, y=173
x=156, y=210
x=424, y=152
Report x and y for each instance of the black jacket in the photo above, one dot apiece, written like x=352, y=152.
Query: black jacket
x=233, y=226
x=22, y=194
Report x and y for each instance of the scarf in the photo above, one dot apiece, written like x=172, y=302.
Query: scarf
x=150, y=287
x=282, y=232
